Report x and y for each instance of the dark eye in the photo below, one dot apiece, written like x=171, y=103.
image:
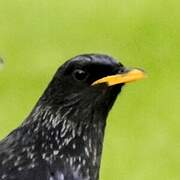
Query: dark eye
x=80, y=75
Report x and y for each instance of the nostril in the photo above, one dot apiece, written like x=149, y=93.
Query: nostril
x=123, y=70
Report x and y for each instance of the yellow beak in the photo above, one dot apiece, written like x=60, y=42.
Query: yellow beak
x=130, y=76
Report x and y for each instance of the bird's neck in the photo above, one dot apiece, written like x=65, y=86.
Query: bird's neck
x=72, y=138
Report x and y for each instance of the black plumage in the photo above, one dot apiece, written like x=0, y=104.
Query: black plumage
x=62, y=138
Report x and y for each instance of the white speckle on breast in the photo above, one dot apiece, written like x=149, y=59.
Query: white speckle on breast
x=87, y=151
x=74, y=146
x=3, y=176
x=55, y=152
x=20, y=168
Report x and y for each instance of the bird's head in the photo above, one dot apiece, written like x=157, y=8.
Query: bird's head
x=74, y=107
x=91, y=80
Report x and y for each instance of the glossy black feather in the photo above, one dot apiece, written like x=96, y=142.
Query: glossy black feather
x=62, y=138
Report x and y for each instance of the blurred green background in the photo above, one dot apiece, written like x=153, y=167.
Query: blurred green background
x=142, y=139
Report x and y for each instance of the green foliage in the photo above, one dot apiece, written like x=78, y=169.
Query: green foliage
x=142, y=137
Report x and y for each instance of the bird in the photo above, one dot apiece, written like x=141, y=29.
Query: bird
x=62, y=137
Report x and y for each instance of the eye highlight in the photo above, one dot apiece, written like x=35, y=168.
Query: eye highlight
x=80, y=75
